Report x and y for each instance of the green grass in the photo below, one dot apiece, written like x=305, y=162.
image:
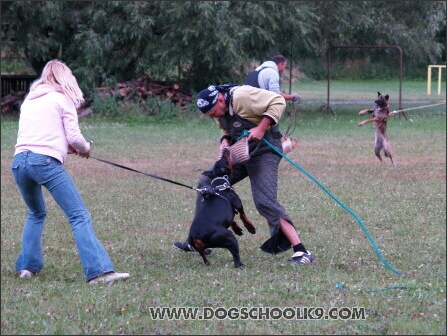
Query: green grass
x=137, y=218
x=366, y=90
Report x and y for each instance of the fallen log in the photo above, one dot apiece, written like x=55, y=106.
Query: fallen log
x=10, y=104
x=141, y=89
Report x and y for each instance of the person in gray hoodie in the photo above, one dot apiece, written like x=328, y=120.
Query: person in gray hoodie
x=267, y=77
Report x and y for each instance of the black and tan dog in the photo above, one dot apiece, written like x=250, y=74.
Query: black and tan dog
x=214, y=217
x=380, y=114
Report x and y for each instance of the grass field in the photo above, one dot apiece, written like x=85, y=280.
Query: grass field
x=137, y=218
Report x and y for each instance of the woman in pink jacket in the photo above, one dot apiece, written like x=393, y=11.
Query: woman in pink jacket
x=48, y=131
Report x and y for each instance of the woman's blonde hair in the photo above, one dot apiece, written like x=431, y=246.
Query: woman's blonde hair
x=59, y=75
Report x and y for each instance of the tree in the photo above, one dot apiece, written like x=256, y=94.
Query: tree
x=101, y=41
x=198, y=43
x=211, y=41
x=383, y=23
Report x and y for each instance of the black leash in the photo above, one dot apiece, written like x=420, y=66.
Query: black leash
x=137, y=171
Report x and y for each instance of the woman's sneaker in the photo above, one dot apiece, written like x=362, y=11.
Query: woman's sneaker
x=110, y=277
x=25, y=274
x=184, y=246
x=302, y=258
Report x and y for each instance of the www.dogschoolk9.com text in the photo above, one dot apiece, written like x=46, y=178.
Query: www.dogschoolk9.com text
x=257, y=313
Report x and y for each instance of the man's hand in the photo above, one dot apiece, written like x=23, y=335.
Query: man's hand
x=257, y=133
x=296, y=97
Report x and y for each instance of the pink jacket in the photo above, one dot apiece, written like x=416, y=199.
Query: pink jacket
x=48, y=123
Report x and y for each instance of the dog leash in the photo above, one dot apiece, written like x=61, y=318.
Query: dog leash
x=151, y=175
x=293, y=117
x=416, y=108
x=359, y=221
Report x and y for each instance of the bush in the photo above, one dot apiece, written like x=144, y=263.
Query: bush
x=105, y=106
x=135, y=109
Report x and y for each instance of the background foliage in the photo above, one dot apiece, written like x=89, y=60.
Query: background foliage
x=196, y=43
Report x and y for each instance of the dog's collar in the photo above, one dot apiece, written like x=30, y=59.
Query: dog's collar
x=224, y=186
x=210, y=190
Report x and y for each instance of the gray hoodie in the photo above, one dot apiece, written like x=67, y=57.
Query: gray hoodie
x=268, y=78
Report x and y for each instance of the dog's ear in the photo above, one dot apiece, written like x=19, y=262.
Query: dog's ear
x=226, y=153
x=221, y=167
x=378, y=94
x=387, y=97
x=208, y=174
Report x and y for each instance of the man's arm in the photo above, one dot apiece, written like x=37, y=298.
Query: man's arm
x=257, y=133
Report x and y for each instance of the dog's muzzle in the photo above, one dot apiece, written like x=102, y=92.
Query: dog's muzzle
x=380, y=102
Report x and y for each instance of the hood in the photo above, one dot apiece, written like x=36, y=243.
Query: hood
x=267, y=64
x=41, y=90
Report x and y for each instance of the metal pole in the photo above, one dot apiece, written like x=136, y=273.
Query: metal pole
x=429, y=80
x=328, y=78
x=290, y=67
x=400, y=80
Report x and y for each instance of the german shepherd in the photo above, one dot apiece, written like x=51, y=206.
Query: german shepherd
x=380, y=114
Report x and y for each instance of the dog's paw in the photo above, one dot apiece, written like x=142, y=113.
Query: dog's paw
x=250, y=228
x=238, y=232
x=362, y=112
x=248, y=225
x=236, y=229
x=239, y=265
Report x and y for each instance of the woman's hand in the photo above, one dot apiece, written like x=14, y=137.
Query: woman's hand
x=86, y=154
x=71, y=150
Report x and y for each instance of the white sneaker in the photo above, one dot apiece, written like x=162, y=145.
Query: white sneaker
x=25, y=274
x=302, y=258
x=110, y=277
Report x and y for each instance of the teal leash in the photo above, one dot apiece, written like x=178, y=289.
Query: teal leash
x=359, y=221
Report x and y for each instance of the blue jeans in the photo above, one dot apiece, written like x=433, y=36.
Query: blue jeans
x=32, y=171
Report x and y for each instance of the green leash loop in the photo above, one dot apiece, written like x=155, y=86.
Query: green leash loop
x=365, y=230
